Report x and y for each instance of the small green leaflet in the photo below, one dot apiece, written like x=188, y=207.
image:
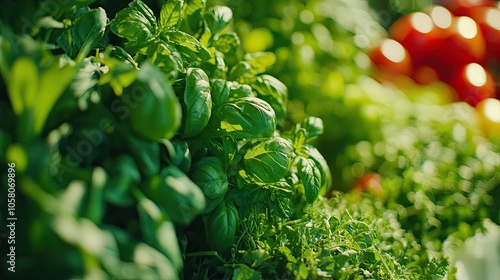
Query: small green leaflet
x=273, y=92
x=243, y=272
x=227, y=43
x=187, y=45
x=173, y=191
x=262, y=61
x=218, y=17
x=193, y=11
x=137, y=23
x=310, y=174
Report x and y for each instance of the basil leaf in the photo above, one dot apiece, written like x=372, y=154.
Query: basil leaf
x=158, y=230
x=193, y=15
x=261, y=61
x=266, y=161
x=155, y=111
x=173, y=191
x=209, y=174
x=145, y=153
x=310, y=174
x=228, y=44
x=187, y=45
x=218, y=17
x=198, y=102
x=181, y=154
x=137, y=24
x=84, y=35
x=123, y=175
x=33, y=92
x=164, y=268
x=273, y=92
x=221, y=225
x=243, y=72
x=96, y=203
x=243, y=272
x=247, y=118
x=326, y=176
x=170, y=14
x=313, y=127
x=220, y=91
x=238, y=91
x=167, y=58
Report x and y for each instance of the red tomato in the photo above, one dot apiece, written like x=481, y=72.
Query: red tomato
x=418, y=34
x=488, y=19
x=488, y=111
x=433, y=69
x=463, y=7
x=369, y=182
x=390, y=59
x=464, y=44
x=473, y=83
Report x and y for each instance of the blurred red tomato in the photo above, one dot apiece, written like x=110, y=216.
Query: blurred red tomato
x=418, y=34
x=425, y=75
x=488, y=19
x=390, y=59
x=473, y=84
x=464, y=44
x=371, y=183
x=488, y=111
x=463, y=7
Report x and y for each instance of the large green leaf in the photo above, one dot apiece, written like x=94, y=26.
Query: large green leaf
x=158, y=230
x=170, y=14
x=198, y=102
x=247, y=118
x=209, y=173
x=173, y=191
x=53, y=82
x=146, y=256
x=266, y=161
x=155, y=111
x=84, y=34
x=33, y=91
x=23, y=84
x=221, y=225
x=167, y=58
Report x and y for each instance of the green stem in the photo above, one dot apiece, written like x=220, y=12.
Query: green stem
x=206, y=254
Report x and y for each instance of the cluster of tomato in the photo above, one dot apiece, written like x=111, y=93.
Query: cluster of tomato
x=453, y=41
